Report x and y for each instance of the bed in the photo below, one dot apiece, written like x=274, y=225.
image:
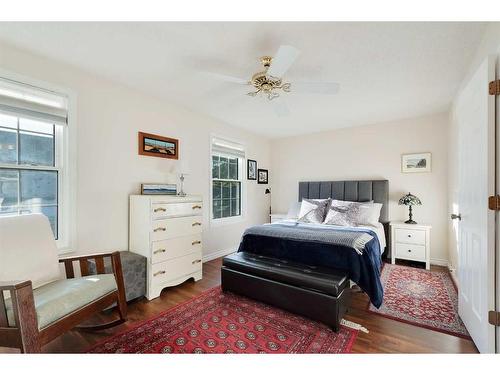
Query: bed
x=318, y=245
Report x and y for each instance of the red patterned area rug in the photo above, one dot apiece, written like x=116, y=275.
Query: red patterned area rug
x=423, y=298
x=217, y=322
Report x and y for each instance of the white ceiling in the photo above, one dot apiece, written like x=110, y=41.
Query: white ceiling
x=386, y=71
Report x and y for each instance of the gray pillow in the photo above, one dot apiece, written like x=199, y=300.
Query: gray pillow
x=313, y=210
x=351, y=214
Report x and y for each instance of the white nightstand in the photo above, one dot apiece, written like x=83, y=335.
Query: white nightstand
x=277, y=217
x=411, y=242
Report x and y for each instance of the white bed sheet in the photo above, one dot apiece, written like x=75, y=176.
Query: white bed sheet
x=380, y=232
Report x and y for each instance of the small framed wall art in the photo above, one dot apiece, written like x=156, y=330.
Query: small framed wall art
x=263, y=176
x=251, y=169
x=415, y=163
x=158, y=189
x=156, y=145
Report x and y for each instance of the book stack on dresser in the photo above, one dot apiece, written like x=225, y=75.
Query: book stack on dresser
x=167, y=230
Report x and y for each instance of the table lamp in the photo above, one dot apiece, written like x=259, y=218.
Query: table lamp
x=410, y=200
x=182, y=170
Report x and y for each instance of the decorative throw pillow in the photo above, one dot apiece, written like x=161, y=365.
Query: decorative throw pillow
x=341, y=214
x=346, y=213
x=313, y=210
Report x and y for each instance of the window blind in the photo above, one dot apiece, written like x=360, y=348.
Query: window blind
x=19, y=99
x=229, y=148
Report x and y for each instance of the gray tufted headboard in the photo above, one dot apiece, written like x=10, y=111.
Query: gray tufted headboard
x=356, y=191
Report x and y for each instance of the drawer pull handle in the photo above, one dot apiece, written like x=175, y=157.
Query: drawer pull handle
x=197, y=207
x=159, y=273
x=409, y=235
x=159, y=251
x=162, y=229
x=196, y=261
x=409, y=250
x=195, y=224
x=160, y=209
x=195, y=243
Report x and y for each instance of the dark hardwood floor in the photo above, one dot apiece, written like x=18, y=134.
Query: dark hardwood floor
x=386, y=336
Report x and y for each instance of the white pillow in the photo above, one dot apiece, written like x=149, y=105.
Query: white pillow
x=293, y=210
x=346, y=213
x=374, y=215
x=313, y=210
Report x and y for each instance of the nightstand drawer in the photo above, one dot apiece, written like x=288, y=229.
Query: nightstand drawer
x=410, y=251
x=410, y=236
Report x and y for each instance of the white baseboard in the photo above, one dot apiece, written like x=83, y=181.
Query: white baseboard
x=453, y=274
x=440, y=262
x=218, y=254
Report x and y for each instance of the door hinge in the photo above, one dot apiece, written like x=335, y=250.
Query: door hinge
x=494, y=318
x=494, y=202
x=494, y=87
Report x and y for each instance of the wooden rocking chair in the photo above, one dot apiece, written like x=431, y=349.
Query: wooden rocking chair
x=42, y=306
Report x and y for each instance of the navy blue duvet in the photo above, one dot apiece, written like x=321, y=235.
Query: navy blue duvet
x=363, y=269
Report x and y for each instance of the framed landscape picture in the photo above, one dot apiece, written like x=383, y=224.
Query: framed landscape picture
x=263, y=176
x=156, y=145
x=251, y=169
x=415, y=163
x=158, y=189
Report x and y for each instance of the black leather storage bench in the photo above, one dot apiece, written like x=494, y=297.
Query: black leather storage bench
x=318, y=293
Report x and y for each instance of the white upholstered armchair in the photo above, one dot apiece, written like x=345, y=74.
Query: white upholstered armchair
x=37, y=303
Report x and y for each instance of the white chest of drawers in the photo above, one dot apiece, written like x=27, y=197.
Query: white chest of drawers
x=411, y=242
x=167, y=230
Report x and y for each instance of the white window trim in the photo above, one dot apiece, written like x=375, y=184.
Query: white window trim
x=243, y=209
x=66, y=242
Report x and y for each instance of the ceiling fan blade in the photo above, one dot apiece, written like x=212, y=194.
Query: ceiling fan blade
x=322, y=88
x=225, y=78
x=280, y=108
x=283, y=60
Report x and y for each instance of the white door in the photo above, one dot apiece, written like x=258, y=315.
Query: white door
x=475, y=114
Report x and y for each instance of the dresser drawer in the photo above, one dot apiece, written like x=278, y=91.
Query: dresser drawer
x=175, y=247
x=175, y=268
x=164, y=210
x=411, y=236
x=410, y=251
x=176, y=227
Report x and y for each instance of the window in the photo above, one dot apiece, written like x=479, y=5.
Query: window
x=227, y=172
x=32, y=126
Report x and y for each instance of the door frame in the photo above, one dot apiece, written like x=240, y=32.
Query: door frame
x=496, y=106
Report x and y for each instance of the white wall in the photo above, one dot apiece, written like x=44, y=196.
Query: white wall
x=490, y=44
x=371, y=152
x=109, y=167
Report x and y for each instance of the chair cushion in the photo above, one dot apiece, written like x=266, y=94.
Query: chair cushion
x=60, y=298
x=28, y=250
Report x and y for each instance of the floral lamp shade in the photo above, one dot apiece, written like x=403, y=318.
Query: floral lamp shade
x=410, y=200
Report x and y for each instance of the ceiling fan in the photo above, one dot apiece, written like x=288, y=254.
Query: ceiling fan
x=269, y=82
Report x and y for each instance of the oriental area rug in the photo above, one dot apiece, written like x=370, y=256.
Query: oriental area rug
x=423, y=298
x=217, y=322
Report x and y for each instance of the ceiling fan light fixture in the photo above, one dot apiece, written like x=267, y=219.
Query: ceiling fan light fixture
x=269, y=82
x=266, y=83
